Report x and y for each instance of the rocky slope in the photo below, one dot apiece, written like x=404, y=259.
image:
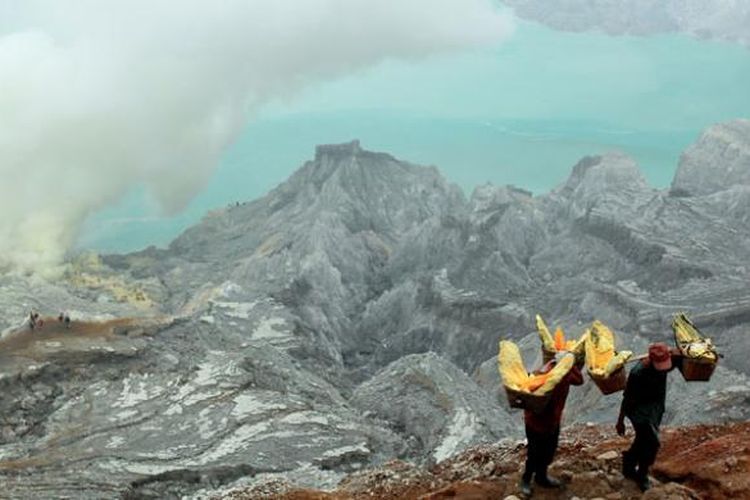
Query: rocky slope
x=717, y=19
x=352, y=316
x=435, y=404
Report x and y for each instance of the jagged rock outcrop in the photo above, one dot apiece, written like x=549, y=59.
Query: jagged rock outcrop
x=435, y=406
x=714, y=19
x=719, y=161
x=320, y=243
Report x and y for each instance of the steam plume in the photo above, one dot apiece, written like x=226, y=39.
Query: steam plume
x=99, y=96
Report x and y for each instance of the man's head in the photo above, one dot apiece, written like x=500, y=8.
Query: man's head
x=660, y=356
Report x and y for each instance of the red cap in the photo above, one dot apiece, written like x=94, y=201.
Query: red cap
x=660, y=356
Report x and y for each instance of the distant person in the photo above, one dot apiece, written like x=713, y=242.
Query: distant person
x=64, y=318
x=32, y=320
x=543, y=430
x=643, y=404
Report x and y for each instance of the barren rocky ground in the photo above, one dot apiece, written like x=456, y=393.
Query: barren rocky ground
x=695, y=462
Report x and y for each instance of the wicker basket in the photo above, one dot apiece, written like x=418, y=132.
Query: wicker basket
x=697, y=370
x=533, y=402
x=614, y=383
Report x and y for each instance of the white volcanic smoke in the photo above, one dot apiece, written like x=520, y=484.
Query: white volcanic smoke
x=97, y=96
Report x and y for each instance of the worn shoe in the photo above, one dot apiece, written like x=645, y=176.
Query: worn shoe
x=628, y=467
x=525, y=487
x=548, y=482
x=644, y=483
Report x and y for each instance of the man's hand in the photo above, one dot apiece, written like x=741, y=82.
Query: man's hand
x=620, y=427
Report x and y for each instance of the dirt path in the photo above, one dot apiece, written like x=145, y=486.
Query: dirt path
x=53, y=338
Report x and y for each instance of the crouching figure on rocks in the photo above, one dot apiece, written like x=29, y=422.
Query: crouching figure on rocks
x=543, y=430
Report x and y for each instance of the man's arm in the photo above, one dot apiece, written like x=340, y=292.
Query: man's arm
x=620, y=425
x=627, y=403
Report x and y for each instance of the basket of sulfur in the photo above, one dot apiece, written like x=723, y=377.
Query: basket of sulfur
x=530, y=391
x=605, y=366
x=551, y=345
x=699, y=356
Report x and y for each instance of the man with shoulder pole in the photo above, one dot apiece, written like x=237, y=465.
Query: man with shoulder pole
x=643, y=404
x=543, y=430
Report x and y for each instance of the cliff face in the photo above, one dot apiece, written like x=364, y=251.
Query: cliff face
x=302, y=334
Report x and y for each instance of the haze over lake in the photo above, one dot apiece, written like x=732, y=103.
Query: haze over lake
x=521, y=114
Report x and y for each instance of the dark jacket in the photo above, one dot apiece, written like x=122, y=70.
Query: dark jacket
x=646, y=392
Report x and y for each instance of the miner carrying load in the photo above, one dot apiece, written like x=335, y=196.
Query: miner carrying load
x=542, y=394
x=643, y=404
x=543, y=429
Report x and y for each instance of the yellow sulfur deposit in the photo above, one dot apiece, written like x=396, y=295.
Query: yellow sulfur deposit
x=557, y=342
x=690, y=341
x=516, y=377
x=601, y=359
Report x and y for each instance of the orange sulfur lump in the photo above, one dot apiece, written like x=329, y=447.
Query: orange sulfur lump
x=557, y=342
x=561, y=344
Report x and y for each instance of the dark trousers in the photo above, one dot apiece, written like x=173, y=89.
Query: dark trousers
x=643, y=450
x=540, y=452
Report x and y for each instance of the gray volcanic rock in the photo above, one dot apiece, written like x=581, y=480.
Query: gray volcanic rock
x=292, y=334
x=320, y=243
x=161, y=422
x=718, y=161
x=435, y=406
x=720, y=19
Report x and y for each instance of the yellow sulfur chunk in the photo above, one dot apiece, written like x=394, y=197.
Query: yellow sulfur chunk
x=684, y=330
x=556, y=374
x=548, y=342
x=690, y=341
x=702, y=349
x=617, y=362
x=601, y=359
x=515, y=376
x=511, y=367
